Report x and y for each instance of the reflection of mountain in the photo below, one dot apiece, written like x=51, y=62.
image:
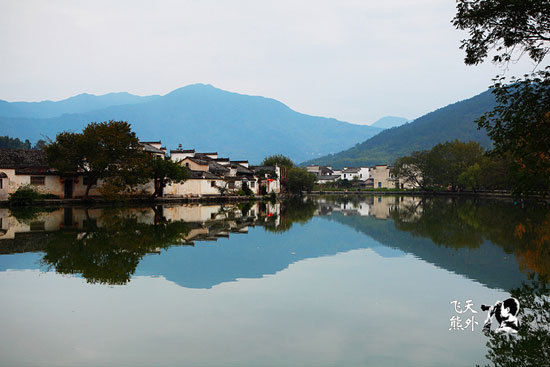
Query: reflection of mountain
x=487, y=264
x=251, y=256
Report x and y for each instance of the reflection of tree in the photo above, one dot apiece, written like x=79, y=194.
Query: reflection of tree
x=110, y=253
x=448, y=224
x=292, y=211
x=523, y=231
x=537, y=256
x=531, y=345
x=26, y=214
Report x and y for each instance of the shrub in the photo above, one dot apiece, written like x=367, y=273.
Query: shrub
x=247, y=191
x=25, y=195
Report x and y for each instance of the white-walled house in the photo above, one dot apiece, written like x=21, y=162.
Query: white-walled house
x=180, y=154
x=349, y=173
x=201, y=183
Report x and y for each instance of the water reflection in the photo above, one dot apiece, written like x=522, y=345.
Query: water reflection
x=497, y=243
x=521, y=231
x=105, y=245
x=345, y=289
x=531, y=345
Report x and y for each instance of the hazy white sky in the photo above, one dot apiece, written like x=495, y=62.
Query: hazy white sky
x=355, y=60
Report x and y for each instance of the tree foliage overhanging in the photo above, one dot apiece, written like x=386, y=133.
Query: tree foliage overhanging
x=504, y=27
x=519, y=125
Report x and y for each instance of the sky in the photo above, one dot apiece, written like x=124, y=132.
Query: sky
x=354, y=60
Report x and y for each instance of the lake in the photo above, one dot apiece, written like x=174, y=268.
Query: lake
x=325, y=281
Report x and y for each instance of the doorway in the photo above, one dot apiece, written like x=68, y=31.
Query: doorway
x=68, y=188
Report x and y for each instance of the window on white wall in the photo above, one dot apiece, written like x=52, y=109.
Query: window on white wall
x=38, y=180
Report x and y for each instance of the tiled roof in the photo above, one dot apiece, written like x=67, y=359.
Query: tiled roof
x=22, y=158
x=151, y=149
x=326, y=178
x=241, y=170
x=182, y=151
x=200, y=161
x=216, y=167
x=202, y=175
x=351, y=170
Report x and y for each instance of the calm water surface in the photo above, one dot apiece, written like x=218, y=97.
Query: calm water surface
x=330, y=281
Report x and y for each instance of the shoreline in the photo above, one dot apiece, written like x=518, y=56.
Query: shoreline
x=139, y=201
x=97, y=201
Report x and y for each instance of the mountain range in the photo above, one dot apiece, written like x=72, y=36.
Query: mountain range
x=455, y=121
x=198, y=116
x=388, y=122
x=205, y=118
x=78, y=104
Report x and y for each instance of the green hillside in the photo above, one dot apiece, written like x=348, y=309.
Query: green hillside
x=455, y=121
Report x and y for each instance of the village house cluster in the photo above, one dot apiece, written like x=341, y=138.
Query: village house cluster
x=379, y=176
x=209, y=175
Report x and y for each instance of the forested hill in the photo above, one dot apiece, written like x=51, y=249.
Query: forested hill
x=455, y=121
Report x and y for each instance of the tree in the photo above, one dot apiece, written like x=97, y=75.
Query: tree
x=440, y=166
x=412, y=169
x=508, y=27
x=300, y=180
x=520, y=127
x=446, y=161
x=471, y=177
x=279, y=160
x=40, y=144
x=520, y=123
x=164, y=171
x=105, y=150
x=14, y=143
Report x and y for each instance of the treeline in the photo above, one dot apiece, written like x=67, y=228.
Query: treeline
x=15, y=143
x=460, y=166
x=295, y=180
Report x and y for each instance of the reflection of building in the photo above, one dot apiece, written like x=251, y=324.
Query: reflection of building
x=376, y=206
x=205, y=222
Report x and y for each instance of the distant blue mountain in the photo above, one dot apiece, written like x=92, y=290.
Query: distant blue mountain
x=206, y=118
x=388, y=122
x=78, y=104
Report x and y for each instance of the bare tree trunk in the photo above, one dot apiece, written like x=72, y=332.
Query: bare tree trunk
x=88, y=187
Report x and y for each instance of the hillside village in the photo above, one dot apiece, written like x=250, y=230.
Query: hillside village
x=210, y=175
